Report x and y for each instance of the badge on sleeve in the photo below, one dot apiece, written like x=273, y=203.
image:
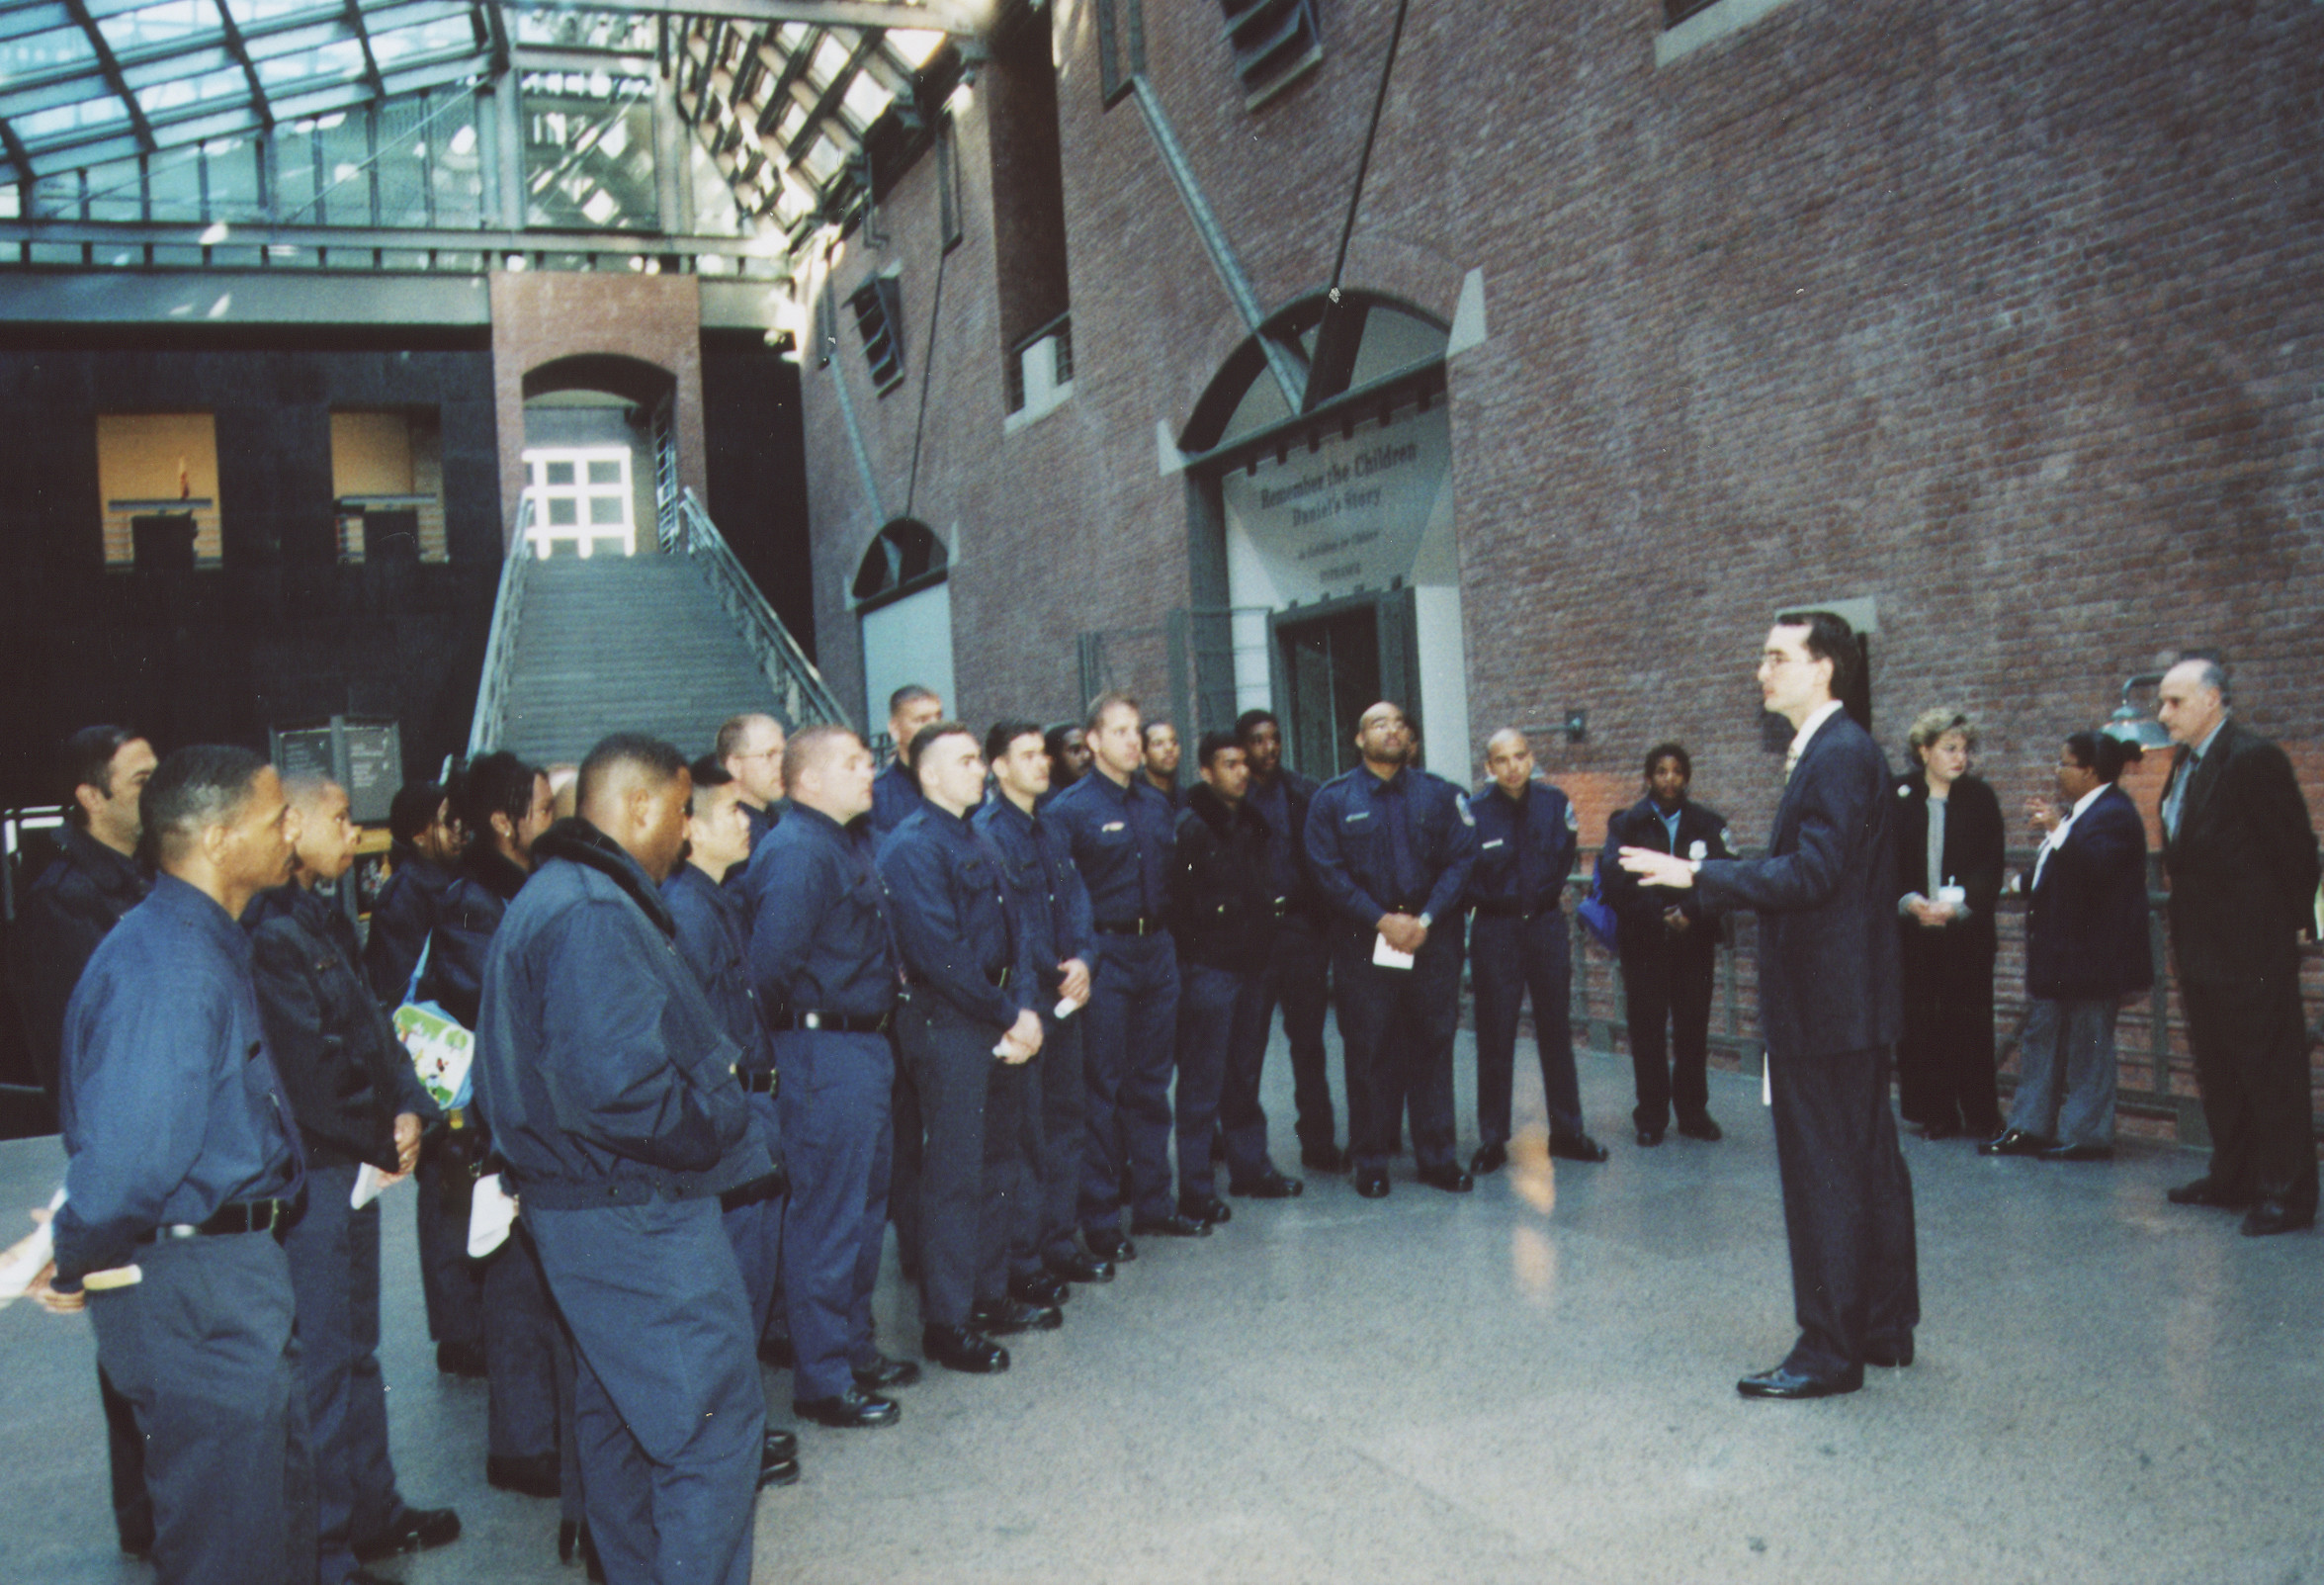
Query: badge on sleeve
x=1462, y=804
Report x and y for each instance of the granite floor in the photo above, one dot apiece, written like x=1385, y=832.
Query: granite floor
x=1534, y=1383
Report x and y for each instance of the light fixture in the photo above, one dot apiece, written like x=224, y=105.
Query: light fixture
x=2128, y=724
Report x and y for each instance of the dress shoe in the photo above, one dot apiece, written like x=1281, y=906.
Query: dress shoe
x=1079, y=1268
x=1323, y=1158
x=885, y=1375
x=778, y=1352
x=778, y=1460
x=1208, y=1208
x=412, y=1529
x=1648, y=1138
x=779, y=1444
x=1372, y=1182
x=1009, y=1317
x=1889, y=1356
x=1577, y=1147
x=1272, y=1187
x=2209, y=1191
x=851, y=1410
x=534, y=1478
x=2276, y=1216
x=2015, y=1142
x=1488, y=1159
x=1111, y=1243
x=1448, y=1177
x=1702, y=1128
x=1175, y=1225
x=1782, y=1383
x=460, y=1359
x=1039, y=1287
x=2079, y=1153
x=963, y=1348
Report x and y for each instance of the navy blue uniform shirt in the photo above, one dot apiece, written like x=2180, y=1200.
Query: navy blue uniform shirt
x=1124, y=841
x=953, y=916
x=821, y=938
x=401, y=919
x=895, y=793
x=1526, y=846
x=1283, y=805
x=1053, y=905
x=1403, y=845
x=467, y=915
x=714, y=938
x=171, y=1105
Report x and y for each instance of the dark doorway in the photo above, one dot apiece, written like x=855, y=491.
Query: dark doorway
x=1331, y=675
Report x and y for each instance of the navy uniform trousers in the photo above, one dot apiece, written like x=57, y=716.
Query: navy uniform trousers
x=1222, y=1048
x=1666, y=987
x=1508, y=955
x=521, y=1343
x=669, y=1412
x=1056, y=1145
x=1395, y=1029
x=754, y=1226
x=451, y=1282
x=1298, y=979
x=838, y=1137
x=970, y=1171
x=1127, y=1052
x=203, y=1351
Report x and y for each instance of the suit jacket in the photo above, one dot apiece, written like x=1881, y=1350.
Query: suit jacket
x=2086, y=930
x=1639, y=909
x=1973, y=841
x=1825, y=895
x=2243, y=865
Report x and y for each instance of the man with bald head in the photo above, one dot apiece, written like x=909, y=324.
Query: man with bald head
x=609, y=1080
x=750, y=748
x=2242, y=861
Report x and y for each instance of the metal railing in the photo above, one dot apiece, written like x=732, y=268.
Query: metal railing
x=802, y=696
x=484, y=732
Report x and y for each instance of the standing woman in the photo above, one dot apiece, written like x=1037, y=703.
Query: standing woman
x=1949, y=861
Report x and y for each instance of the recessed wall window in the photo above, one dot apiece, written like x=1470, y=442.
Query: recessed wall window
x=388, y=482
x=157, y=478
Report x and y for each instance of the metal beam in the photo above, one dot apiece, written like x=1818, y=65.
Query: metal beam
x=403, y=240
x=827, y=109
x=21, y=159
x=241, y=54
x=110, y=65
x=363, y=37
x=931, y=18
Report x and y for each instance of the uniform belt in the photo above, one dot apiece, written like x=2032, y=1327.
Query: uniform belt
x=1136, y=926
x=1511, y=907
x=757, y=1084
x=835, y=1022
x=240, y=1216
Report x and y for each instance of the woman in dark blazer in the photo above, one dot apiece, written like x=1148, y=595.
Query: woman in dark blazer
x=2086, y=949
x=1949, y=861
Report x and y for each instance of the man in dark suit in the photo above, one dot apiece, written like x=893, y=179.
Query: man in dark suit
x=1832, y=1009
x=2242, y=861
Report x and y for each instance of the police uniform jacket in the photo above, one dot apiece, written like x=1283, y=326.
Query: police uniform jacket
x=608, y=1076
x=63, y=915
x=1053, y=905
x=470, y=914
x=171, y=1107
x=1405, y=844
x=953, y=916
x=401, y=919
x=895, y=793
x=822, y=939
x=345, y=1073
x=1124, y=841
x=1225, y=910
x=714, y=938
x=1284, y=806
x=1526, y=846
x=1639, y=909
x=2086, y=930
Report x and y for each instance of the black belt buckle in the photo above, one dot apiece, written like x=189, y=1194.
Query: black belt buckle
x=238, y=1216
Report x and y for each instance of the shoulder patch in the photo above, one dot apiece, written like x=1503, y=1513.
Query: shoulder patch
x=1467, y=818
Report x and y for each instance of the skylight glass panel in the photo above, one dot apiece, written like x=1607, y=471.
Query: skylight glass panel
x=177, y=95
x=38, y=53
x=252, y=13
x=915, y=45
x=342, y=59
x=830, y=57
x=160, y=25
x=84, y=115
x=866, y=99
x=823, y=159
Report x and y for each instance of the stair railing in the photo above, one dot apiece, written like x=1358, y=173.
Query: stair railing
x=484, y=727
x=801, y=693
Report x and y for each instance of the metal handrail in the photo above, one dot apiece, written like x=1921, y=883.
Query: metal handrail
x=801, y=693
x=484, y=732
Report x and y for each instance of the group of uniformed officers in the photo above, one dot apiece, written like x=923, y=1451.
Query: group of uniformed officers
x=729, y=1018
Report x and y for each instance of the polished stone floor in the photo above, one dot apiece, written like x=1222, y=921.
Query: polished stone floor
x=1534, y=1383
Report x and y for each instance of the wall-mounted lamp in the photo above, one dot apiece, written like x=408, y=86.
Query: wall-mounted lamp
x=1577, y=725
x=2132, y=725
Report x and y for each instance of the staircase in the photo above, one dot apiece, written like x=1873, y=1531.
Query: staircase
x=669, y=645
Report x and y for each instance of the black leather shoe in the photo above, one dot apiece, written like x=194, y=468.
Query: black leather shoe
x=460, y=1359
x=1448, y=1177
x=1648, y=1138
x=1372, y=1182
x=1079, y=1268
x=412, y=1529
x=1889, y=1356
x=1039, y=1287
x=781, y=1444
x=963, y=1348
x=778, y=1352
x=533, y=1477
x=1210, y=1208
x=2079, y=1153
x=1272, y=1187
x=1488, y=1159
x=1578, y=1147
x=1784, y=1383
x=778, y=1460
x=851, y=1410
x=888, y=1374
x=1702, y=1128
x=1111, y=1243
x=2276, y=1216
x=2207, y=1190
x=1175, y=1225
x=1009, y=1317
x=2015, y=1142
x=1323, y=1158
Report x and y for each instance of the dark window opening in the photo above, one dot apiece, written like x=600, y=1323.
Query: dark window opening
x=1121, y=46
x=1275, y=43
x=1677, y=11
x=903, y=559
x=878, y=320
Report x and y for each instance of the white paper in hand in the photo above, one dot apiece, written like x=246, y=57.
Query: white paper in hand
x=1388, y=957
x=23, y=1260
x=368, y=1182
x=1064, y=1009
x=492, y=1216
